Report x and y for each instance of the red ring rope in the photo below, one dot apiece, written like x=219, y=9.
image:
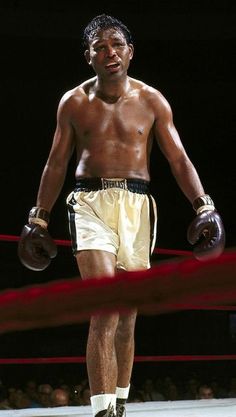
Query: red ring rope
x=35, y=292
x=168, y=287
x=82, y=359
x=63, y=242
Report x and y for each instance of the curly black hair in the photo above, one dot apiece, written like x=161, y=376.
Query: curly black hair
x=103, y=22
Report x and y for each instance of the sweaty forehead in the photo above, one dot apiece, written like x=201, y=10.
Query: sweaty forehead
x=106, y=34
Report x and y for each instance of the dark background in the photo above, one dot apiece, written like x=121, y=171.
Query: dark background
x=187, y=51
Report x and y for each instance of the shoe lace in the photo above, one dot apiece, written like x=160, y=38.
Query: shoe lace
x=120, y=410
x=110, y=411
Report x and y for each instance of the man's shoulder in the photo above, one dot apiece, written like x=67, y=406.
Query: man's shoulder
x=150, y=95
x=145, y=88
x=77, y=93
x=70, y=95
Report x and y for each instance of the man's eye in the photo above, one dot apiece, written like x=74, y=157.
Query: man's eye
x=99, y=48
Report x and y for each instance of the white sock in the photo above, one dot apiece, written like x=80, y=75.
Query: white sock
x=122, y=393
x=101, y=402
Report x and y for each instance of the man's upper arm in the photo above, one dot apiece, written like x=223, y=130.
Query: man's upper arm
x=165, y=132
x=63, y=141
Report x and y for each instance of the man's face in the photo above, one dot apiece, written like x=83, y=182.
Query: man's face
x=206, y=393
x=109, y=54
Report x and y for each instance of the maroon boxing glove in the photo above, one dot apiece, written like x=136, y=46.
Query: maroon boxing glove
x=36, y=248
x=206, y=231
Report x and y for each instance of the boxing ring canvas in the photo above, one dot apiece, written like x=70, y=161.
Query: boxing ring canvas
x=196, y=408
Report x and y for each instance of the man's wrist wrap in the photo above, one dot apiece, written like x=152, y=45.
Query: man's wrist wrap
x=40, y=216
x=203, y=203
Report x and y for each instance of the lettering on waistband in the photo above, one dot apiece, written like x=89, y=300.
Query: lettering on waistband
x=114, y=183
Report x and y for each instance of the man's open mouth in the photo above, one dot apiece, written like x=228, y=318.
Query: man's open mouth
x=112, y=65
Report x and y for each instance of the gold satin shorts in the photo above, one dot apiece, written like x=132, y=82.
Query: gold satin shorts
x=115, y=220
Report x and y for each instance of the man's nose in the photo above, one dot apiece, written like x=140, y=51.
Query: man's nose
x=111, y=51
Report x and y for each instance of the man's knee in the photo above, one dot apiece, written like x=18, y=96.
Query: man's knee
x=104, y=324
x=126, y=326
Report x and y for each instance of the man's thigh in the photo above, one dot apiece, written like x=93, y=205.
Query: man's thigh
x=96, y=263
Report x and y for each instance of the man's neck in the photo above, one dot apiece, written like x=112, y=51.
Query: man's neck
x=111, y=92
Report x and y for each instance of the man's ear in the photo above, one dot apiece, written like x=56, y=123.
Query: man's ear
x=87, y=56
x=131, y=50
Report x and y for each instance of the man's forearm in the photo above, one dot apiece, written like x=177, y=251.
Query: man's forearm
x=187, y=178
x=51, y=183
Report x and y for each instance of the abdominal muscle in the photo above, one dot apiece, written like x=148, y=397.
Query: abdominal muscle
x=113, y=161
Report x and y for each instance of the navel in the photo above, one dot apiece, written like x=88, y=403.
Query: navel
x=140, y=130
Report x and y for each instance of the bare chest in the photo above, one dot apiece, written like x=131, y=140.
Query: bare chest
x=125, y=120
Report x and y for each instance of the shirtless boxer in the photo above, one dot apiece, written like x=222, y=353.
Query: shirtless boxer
x=110, y=121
